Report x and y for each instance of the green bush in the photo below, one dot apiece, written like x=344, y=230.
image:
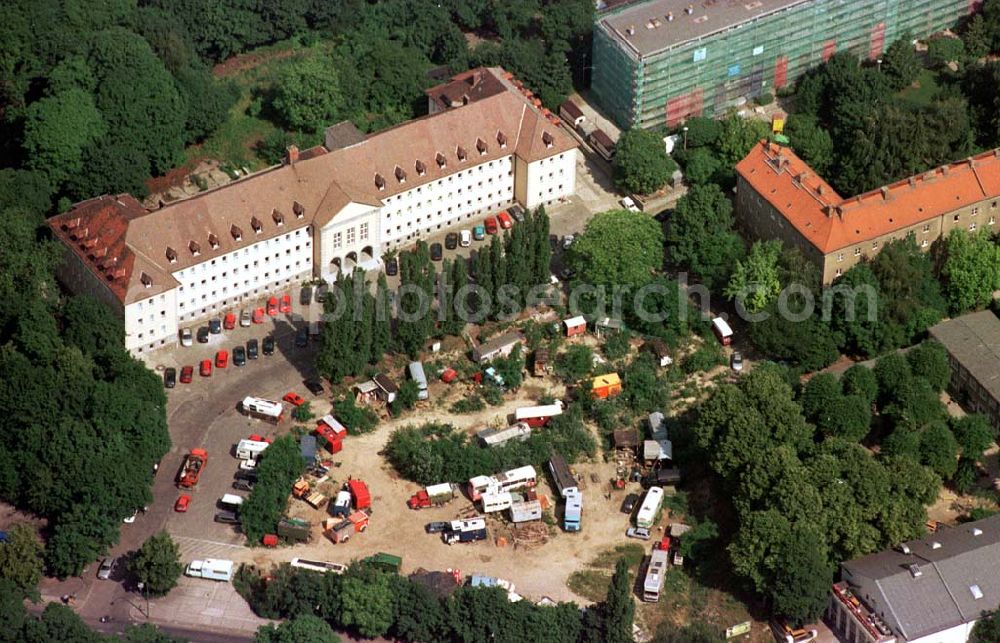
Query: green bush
x=469, y=404
x=707, y=357
x=357, y=419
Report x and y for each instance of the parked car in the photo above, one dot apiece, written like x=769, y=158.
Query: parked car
x=221, y=359
x=465, y=239
x=269, y=345
x=239, y=356
x=258, y=315
x=517, y=212
x=229, y=322
x=186, y=337
x=505, y=221
x=294, y=398
x=391, y=266
x=629, y=503
x=736, y=361
x=286, y=303
x=215, y=326
x=314, y=386
x=183, y=502
x=253, y=349
x=638, y=532
x=479, y=233
x=243, y=485
x=272, y=306
x=491, y=225
x=302, y=338
x=206, y=368
x=203, y=335
x=567, y=241
x=436, y=252
x=187, y=374
x=437, y=527
x=170, y=377
x=629, y=204
x=245, y=318
x=227, y=518
x=107, y=568
x=321, y=291
x=306, y=295
x=451, y=240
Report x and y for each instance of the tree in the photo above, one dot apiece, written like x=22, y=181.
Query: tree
x=308, y=94
x=304, y=628
x=900, y=63
x=618, y=248
x=860, y=380
x=277, y=469
x=57, y=130
x=971, y=270
x=808, y=343
x=974, y=435
x=929, y=360
x=976, y=37
x=738, y=136
x=944, y=50
x=618, y=607
x=641, y=164
x=110, y=166
x=755, y=282
x=802, y=575
x=849, y=417
x=702, y=131
x=987, y=628
x=819, y=394
x=406, y=398
x=701, y=237
x=700, y=166
x=157, y=564
x=357, y=419
x=939, y=450
x=366, y=603
x=575, y=363
x=811, y=142
x=21, y=558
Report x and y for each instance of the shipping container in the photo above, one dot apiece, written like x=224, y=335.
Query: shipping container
x=605, y=386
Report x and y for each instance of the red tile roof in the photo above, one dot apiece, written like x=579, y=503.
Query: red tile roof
x=830, y=222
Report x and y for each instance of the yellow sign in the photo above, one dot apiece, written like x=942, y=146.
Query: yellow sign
x=738, y=629
x=777, y=125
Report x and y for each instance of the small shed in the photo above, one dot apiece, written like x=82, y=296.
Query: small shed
x=366, y=392
x=500, y=346
x=605, y=386
x=387, y=389
x=571, y=113
x=540, y=363
x=657, y=451
x=602, y=143
x=307, y=448
x=526, y=511
x=657, y=426
x=575, y=326
x=660, y=351
x=607, y=326
x=626, y=439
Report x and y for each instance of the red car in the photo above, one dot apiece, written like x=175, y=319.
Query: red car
x=186, y=374
x=448, y=375
x=258, y=316
x=491, y=225
x=221, y=359
x=206, y=368
x=294, y=399
x=505, y=221
x=272, y=306
x=286, y=303
x=182, y=503
x=259, y=438
x=229, y=322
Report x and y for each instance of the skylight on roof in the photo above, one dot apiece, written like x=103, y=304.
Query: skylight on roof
x=976, y=592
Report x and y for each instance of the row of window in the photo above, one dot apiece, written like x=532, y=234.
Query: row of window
x=266, y=243
x=479, y=168
x=923, y=243
x=256, y=278
x=362, y=234
x=451, y=195
x=226, y=303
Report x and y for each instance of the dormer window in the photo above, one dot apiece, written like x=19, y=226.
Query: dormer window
x=400, y=174
x=442, y=163
x=236, y=232
x=420, y=167
x=171, y=255
x=213, y=241
x=279, y=218
x=146, y=280
x=195, y=248
x=481, y=146
x=298, y=209
x=501, y=139
x=460, y=153
x=257, y=226
x=547, y=139
x=379, y=181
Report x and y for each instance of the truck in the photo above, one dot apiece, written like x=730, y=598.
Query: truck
x=433, y=496
x=574, y=510
x=211, y=568
x=295, y=529
x=338, y=531
x=231, y=501
x=194, y=464
x=342, y=505
x=465, y=531
x=359, y=493
x=250, y=449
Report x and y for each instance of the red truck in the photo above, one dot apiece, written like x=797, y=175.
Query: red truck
x=433, y=496
x=194, y=464
x=359, y=493
x=341, y=532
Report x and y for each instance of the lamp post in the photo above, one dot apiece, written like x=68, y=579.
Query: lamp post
x=878, y=62
x=142, y=588
x=685, y=130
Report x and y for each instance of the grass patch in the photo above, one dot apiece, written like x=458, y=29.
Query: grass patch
x=632, y=553
x=590, y=584
x=927, y=87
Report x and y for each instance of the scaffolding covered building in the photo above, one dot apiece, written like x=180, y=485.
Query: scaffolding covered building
x=659, y=62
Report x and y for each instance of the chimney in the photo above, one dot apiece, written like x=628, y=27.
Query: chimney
x=291, y=155
x=670, y=16
x=690, y=9
x=820, y=189
x=912, y=181
x=298, y=209
x=885, y=192
x=945, y=169
x=477, y=77
x=630, y=30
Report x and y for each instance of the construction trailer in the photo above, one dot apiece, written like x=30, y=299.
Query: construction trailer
x=491, y=437
x=605, y=386
x=416, y=370
x=333, y=441
x=465, y=531
x=575, y=326
x=561, y=474
x=501, y=346
x=573, y=515
x=525, y=511
x=359, y=493
x=519, y=478
x=650, y=507
x=211, y=568
x=652, y=584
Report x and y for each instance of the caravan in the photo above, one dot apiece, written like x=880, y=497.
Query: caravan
x=267, y=410
x=250, y=449
x=650, y=507
x=416, y=370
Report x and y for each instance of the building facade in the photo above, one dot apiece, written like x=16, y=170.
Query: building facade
x=779, y=197
x=320, y=213
x=973, y=345
x=931, y=590
x=659, y=62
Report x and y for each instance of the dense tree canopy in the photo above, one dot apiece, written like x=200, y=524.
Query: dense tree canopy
x=618, y=248
x=700, y=237
x=641, y=163
x=157, y=564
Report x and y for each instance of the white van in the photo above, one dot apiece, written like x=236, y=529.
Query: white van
x=231, y=500
x=465, y=238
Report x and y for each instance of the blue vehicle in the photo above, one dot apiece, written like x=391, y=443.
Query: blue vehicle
x=574, y=510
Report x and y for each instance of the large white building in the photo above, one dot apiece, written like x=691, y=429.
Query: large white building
x=486, y=144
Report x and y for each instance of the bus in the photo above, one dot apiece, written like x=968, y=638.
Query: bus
x=565, y=482
x=416, y=370
x=653, y=582
x=516, y=478
x=267, y=410
x=650, y=507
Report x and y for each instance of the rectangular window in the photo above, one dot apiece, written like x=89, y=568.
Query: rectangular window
x=857, y=252
x=927, y=227
x=874, y=245
x=337, y=239
x=350, y=235
x=840, y=256
x=363, y=231
x=975, y=211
